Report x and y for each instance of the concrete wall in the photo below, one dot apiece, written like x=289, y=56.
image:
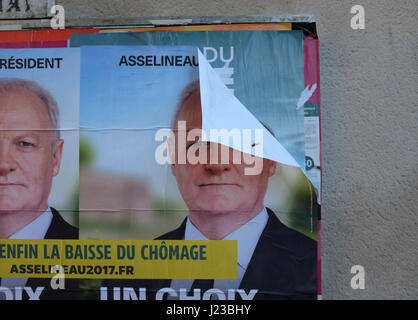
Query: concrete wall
x=369, y=131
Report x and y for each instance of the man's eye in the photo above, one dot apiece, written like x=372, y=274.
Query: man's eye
x=25, y=144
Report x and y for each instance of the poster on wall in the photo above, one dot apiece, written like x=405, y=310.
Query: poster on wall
x=127, y=130
x=188, y=137
x=39, y=139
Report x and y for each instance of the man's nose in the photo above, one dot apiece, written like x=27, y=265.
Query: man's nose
x=7, y=163
x=219, y=158
x=217, y=169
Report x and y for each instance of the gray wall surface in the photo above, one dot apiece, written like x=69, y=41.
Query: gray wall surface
x=369, y=131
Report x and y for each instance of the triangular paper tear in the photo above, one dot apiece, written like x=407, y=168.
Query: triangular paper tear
x=222, y=110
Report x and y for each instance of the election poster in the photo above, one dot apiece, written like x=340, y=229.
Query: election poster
x=188, y=163
x=39, y=38
x=39, y=139
x=131, y=189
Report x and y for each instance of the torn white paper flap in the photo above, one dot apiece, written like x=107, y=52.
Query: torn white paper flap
x=305, y=95
x=221, y=110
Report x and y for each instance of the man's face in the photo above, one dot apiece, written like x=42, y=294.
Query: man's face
x=29, y=157
x=218, y=187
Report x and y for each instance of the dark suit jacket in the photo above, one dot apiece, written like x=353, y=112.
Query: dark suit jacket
x=59, y=229
x=283, y=265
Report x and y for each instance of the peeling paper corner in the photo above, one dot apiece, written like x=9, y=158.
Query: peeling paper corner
x=222, y=110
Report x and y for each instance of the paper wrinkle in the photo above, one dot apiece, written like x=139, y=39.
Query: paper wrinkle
x=37, y=129
x=123, y=129
x=222, y=110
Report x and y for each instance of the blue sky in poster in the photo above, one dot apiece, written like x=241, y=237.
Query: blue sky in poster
x=126, y=97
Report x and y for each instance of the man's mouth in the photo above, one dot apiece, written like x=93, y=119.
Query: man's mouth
x=8, y=184
x=219, y=184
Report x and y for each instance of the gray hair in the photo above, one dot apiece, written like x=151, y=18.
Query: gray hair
x=48, y=100
x=187, y=92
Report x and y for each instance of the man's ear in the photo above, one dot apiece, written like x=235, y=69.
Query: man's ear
x=57, y=156
x=171, y=141
x=173, y=169
x=272, y=167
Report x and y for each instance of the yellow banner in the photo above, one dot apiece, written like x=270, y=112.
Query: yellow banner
x=119, y=259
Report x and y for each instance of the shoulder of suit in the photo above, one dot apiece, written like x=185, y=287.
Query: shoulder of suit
x=300, y=244
x=171, y=235
x=176, y=234
x=60, y=229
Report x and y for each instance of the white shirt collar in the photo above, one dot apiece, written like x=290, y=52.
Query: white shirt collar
x=35, y=229
x=247, y=236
